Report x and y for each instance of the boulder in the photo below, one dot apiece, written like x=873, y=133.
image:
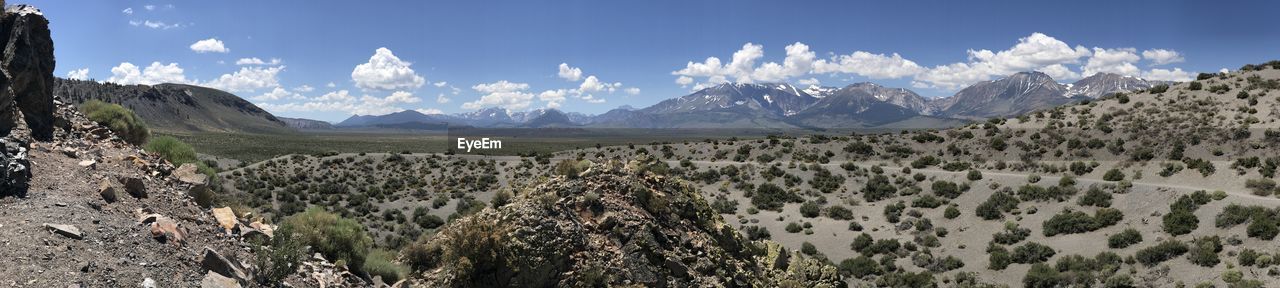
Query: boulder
x=165, y=229
x=226, y=218
x=28, y=65
x=107, y=191
x=188, y=173
x=65, y=230
x=88, y=164
x=215, y=262
x=15, y=168
x=134, y=187
x=214, y=280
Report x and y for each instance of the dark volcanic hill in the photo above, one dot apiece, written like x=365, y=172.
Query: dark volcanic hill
x=177, y=107
x=305, y=124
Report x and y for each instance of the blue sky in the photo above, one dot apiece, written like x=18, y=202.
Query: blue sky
x=457, y=56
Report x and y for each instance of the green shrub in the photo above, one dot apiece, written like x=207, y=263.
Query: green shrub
x=120, y=120
x=771, y=197
x=947, y=189
x=1042, y=276
x=839, y=212
x=878, y=188
x=280, y=259
x=810, y=209
x=1032, y=252
x=173, y=150
x=808, y=248
x=334, y=237
x=1194, y=86
x=1180, y=221
x=1124, y=239
x=1204, y=251
x=859, y=267
x=1095, y=197
x=998, y=258
x=380, y=263
x=793, y=227
x=951, y=213
x=1166, y=250
x=1071, y=222
x=974, y=175
x=424, y=220
x=996, y=204
x=1113, y=175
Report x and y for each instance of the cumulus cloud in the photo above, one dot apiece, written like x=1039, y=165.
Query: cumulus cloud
x=684, y=81
x=1034, y=52
x=149, y=7
x=256, y=61
x=1162, y=56
x=248, y=79
x=156, y=73
x=78, y=74
x=553, y=97
x=385, y=71
x=211, y=45
x=633, y=91
x=572, y=74
x=1118, y=61
x=440, y=98
x=278, y=94
x=810, y=82
x=304, y=88
x=866, y=64
x=1059, y=71
x=344, y=101
x=503, y=94
x=594, y=85
x=1168, y=75
x=127, y=11
x=799, y=61
x=440, y=84
x=429, y=111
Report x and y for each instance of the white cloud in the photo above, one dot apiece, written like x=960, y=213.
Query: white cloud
x=594, y=85
x=633, y=91
x=1223, y=70
x=440, y=84
x=149, y=7
x=1118, y=61
x=1059, y=72
x=501, y=94
x=684, y=81
x=810, y=82
x=304, y=88
x=256, y=61
x=248, y=79
x=1034, y=52
x=330, y=85
x=156, y=73
x=1162, y=56
x=592, y=99
x=278, y=94
x=440, y=98
x=385, y=71
x=78, y=74
x=127, y=11
x=429, y=111
x=866, y=64
x=1168, y=75
x=155, y=24
x=343, y=101
x=402, y=97
x=210, y=45
x=553, y=97
x=572, y=74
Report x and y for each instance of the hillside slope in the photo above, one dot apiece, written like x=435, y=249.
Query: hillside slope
x=177, y=107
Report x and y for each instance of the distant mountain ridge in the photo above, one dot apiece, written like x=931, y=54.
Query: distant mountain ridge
x=782, y=105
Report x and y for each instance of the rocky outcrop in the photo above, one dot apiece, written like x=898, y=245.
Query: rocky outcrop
x=609, y=226
x=28, y=68
x=26, y=97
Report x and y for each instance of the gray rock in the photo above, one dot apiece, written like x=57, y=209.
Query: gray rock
x=134, y=187
x=15, y=169
x=215, y=262
x=214, y=280
x=107, y=191
x=28, y=61
x=65, y=230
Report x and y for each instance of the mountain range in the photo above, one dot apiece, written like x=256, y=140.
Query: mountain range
x=782, y=105
x=186, y=108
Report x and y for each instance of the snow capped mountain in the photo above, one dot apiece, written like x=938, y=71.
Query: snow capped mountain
x=1102, y=84
x=776, y=99
x=897, y=96
x=1019, y=93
